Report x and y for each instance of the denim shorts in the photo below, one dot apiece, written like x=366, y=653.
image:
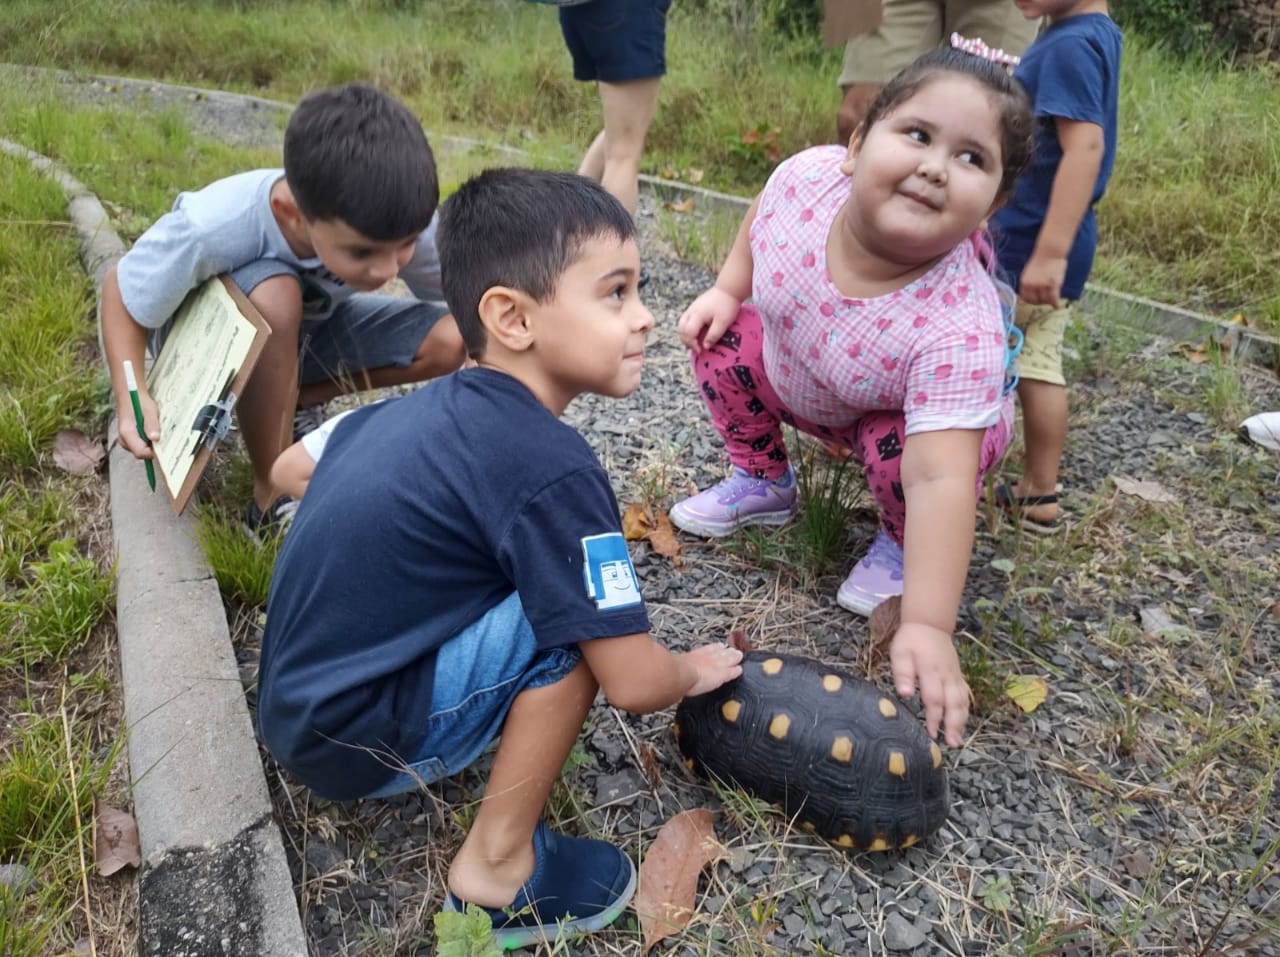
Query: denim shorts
x=366, y=331
x=479, y=673
x=616, y=40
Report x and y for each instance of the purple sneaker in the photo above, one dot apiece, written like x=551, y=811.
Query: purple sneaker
x=741, y=499
x=876, y=578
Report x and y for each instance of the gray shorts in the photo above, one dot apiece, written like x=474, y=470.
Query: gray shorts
x=366, y=331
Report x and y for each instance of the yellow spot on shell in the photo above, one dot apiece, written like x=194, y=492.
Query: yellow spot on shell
x=831, y=683
x=779, y=726
x=771, y=666
x=897, y=763
x=888, y=708
x=935, y=753
x=808, y=826
x=910, y=840
x=844, y=840
x=730, y=710
x=842, y=749
x=688, y=763
x=879, y=844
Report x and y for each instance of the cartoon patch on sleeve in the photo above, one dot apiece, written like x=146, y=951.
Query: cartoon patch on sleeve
x=610, y=579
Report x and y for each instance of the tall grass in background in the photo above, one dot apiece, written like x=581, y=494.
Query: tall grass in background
x=1192, y=216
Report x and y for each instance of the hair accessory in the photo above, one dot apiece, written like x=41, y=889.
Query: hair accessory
x=976, y=47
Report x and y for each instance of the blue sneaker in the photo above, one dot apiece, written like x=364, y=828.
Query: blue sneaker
x=577, y=886
x=741, y=499
x=876, y=578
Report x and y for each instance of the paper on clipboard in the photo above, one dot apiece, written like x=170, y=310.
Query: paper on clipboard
x=216, y=338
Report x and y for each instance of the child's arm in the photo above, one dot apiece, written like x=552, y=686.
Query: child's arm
x=292, y=470
x=939, y=471
x=123, y=338
x=708, y=316
x=1073, y=185
x=639, y=675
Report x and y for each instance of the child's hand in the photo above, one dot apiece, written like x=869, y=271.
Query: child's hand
x=131, y=441
x=925, y=654
x=713, y=665
x=1042, y=278
x=706, y=319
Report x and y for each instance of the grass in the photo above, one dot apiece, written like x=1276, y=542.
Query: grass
x=61, y=737
x=1192, y=214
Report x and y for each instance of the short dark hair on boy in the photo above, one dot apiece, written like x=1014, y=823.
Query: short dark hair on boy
x=520, y=228
x=357, y=154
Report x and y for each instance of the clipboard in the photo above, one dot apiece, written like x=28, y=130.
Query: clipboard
x=212, y=347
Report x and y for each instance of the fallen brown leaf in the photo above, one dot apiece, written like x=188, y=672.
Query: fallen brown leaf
x=738, y=639
x=665, y=900
x=636, y=524
x=663, y=540
x=684, y=206
x=75, y=452
x=115, y=839
x=649, y=765
x=693, y=175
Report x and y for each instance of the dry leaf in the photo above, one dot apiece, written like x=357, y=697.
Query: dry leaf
x=1027, y=691
x=75, y=452
x=649, y=765
x=1147, y=491
x=636, y=523
x=1157, y=623
x=738, y=639
x=1275, y=610
x=115, y=839
x=884, y=621
x=663, y=540
x=669, y=874
x=1197, y=354
x=1138, y=864
x=693, y=175
x=684, y=206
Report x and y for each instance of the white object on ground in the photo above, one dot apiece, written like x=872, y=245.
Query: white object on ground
x=1262, y=429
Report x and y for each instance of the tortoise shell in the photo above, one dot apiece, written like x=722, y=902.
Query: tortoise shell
x=842, y=758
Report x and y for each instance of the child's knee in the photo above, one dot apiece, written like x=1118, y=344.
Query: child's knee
x=442, y=351
x=279, y=300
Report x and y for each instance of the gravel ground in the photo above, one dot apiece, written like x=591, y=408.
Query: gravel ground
x=1134, y=812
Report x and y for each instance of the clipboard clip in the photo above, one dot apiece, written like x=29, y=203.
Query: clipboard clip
x=213, y=421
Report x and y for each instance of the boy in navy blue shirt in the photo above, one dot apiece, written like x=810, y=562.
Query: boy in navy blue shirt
x=457, y=569
x=1046, y=234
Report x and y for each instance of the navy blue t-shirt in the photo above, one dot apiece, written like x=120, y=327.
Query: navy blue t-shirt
x=423, y=514
x=1072, y=71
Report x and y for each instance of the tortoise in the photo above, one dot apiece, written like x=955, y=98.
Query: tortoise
x=845, y=760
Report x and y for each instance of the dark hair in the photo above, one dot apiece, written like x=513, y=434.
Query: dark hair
x=520, y=228
x=1017, y=123
x=356, y=154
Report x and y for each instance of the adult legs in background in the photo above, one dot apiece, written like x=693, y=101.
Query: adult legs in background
x=613, y=159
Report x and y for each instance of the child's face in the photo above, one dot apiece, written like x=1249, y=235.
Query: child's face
x=362, y=263
x=590, y=336
x=927, y=174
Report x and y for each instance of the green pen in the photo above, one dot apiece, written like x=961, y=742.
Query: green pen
x=131, y=384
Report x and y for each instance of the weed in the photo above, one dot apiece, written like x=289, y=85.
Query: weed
x=241, y=565
x=53, y=613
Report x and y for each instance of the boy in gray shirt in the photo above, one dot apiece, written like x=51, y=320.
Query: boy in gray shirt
x=353, y=207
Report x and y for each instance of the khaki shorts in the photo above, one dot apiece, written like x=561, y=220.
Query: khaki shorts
x=1043, y=328
x=913, y=27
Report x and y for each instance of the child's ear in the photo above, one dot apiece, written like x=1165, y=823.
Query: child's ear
x=504, y=313
x=851, y=152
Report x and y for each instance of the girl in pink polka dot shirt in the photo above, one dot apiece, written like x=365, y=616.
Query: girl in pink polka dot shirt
x=856, y=306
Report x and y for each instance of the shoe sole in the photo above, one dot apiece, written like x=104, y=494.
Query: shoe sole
x=859, y=604
x=696, y=526
x=515, y=938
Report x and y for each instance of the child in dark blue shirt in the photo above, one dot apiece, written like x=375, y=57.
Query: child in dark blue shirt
x=457, y=571
x=1046, y=234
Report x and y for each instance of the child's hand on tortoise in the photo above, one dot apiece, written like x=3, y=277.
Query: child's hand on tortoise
x=926, y=655
x=713, y=665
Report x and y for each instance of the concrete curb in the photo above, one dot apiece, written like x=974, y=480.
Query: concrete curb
x=215, y=881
